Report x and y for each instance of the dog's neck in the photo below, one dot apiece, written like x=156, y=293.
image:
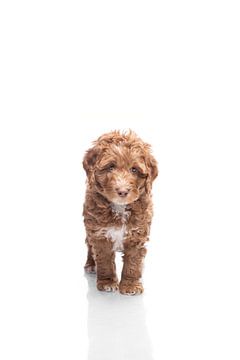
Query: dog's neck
x=122, y=212
x=119, y=209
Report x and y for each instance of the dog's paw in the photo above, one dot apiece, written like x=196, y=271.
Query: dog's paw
x=107, y=285
x=90, y=269
x=128, y=287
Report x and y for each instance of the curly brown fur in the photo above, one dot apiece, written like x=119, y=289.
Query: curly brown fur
x=118, y=208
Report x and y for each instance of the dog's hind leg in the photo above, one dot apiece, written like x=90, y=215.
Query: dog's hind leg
x=90, y=266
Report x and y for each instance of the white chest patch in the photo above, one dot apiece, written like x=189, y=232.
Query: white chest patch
x=116, y=235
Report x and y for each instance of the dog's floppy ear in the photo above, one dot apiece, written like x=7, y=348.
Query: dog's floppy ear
x=152, y=173
x=90, y=159
x=154, y=168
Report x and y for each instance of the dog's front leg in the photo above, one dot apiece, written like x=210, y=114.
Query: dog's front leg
x=106, y=269
x=132, y=270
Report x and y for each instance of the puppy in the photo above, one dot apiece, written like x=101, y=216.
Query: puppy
x=118, y=208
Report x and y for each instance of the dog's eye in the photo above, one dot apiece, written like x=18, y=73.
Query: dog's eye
x=111, y=167
x=133, y=170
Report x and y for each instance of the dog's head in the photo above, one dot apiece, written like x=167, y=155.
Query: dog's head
x=120, y=167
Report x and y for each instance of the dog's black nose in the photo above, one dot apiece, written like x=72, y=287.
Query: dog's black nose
x=122, y=192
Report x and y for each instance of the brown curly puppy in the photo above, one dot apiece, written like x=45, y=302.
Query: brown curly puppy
x=118, y=208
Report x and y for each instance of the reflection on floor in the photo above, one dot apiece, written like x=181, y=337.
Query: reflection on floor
x=116, y=326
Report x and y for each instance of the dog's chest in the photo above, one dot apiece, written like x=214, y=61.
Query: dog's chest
x=115, y=233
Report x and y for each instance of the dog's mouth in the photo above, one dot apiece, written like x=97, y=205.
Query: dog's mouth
x=119, y=201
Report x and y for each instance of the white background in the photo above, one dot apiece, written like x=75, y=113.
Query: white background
x=71, y=70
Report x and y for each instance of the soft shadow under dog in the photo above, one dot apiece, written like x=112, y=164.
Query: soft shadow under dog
x=116, y=326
